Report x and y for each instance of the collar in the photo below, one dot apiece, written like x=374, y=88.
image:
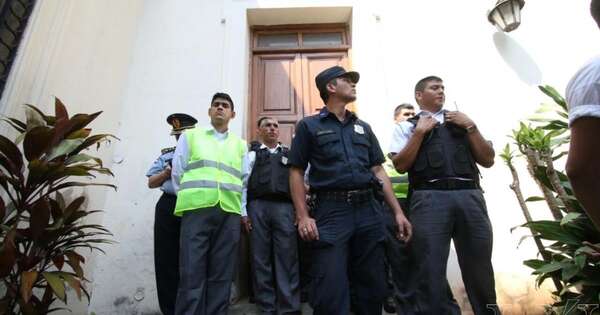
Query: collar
x=263, y=146
x=214, y=131
x=324, y=113
x=441, y=111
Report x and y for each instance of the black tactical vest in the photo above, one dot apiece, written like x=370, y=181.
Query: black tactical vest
x=270, y=174
x=444, y=153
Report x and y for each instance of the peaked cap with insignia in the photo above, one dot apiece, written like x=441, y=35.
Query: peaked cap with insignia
x=180, y=122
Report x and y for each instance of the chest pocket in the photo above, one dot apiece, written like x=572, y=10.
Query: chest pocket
x=361, y=146
x=329, y=145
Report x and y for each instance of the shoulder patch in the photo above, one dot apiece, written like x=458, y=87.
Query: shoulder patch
x=167, y=150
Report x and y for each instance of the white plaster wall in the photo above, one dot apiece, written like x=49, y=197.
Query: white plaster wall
x=79, y=51
x=142, y=60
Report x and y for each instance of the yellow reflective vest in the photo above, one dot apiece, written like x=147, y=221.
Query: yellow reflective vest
x=399, y=181
x=213, y=174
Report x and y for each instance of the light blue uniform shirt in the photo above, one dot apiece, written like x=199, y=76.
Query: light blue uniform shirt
x=158, y=166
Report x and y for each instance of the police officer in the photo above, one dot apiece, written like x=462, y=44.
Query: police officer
x=346, y=227
x=166, y=225
x=270, y=222
x=207, y=175
x=440, y=149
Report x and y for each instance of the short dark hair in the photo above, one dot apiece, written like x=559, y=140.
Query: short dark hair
x=595, y=10
x=324, y=93
x=402, y=106
x=420, y=86
x=224, y=96
x=261, y=119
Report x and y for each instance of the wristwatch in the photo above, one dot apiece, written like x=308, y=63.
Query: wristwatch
x=471, y=128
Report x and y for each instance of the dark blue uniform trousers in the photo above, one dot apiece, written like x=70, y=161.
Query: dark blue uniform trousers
x=208, y=257
x=274, y=251
x=437, y=217
x=166, y=252
x=350, y=244
x=400, y=257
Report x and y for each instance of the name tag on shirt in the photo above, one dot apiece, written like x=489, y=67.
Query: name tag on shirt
x=359, y=129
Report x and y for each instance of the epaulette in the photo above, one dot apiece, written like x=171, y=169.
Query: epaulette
x=167, y=150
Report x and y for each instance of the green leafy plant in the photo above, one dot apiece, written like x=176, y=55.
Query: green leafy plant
x=564, y=257
x=41, y=233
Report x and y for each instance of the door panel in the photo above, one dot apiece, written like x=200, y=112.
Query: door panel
x=276, y=91
x=283, y=87
x=313, y=64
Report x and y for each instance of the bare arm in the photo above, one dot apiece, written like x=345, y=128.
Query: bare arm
x=307, y=228
x=404, y=160
x=404, y=227
x=583, y=167
x=156, y=180
x=482, y=150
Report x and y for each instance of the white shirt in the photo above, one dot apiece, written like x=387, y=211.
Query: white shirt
x=583, y=92
x=404, y=130
x=182, y=155
x=247, y=166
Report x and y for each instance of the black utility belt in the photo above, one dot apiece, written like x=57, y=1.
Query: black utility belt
x=349, y=196
x=446, y=184
x=275, y=197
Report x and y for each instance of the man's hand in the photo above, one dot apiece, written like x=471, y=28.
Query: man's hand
x=246, y=224
x=460, y=119
x=425, y=124
x=404, y=228
x=307, y=228
x=167, y=171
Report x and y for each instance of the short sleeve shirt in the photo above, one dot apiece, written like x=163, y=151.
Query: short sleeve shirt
x=340, y=154
x=158, y=166
x=404, y=130
x=583, y=92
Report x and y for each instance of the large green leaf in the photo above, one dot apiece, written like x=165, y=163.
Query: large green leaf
x=569, y=218
x=65, y=147
x=552, y=230
x=558, y=99
x=550, y=267
x=534, y=263
x=56, y=283
x=569, y=271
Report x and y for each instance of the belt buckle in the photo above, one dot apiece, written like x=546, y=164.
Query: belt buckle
x=351, y=194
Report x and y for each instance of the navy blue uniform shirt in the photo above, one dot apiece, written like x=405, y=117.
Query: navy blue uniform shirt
x=340, y=154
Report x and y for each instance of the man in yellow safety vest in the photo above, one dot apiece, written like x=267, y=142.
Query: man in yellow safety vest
x=207, y=176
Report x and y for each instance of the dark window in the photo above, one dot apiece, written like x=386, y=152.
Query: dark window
x=14, y=15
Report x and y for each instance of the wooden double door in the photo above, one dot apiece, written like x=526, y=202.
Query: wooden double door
x=283, y=87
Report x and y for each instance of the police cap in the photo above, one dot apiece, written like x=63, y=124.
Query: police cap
x=180, y=122
x=331, y=73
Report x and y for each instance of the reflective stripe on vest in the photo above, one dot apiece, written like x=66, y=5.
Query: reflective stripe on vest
x=212, y=176
x=207, y=163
